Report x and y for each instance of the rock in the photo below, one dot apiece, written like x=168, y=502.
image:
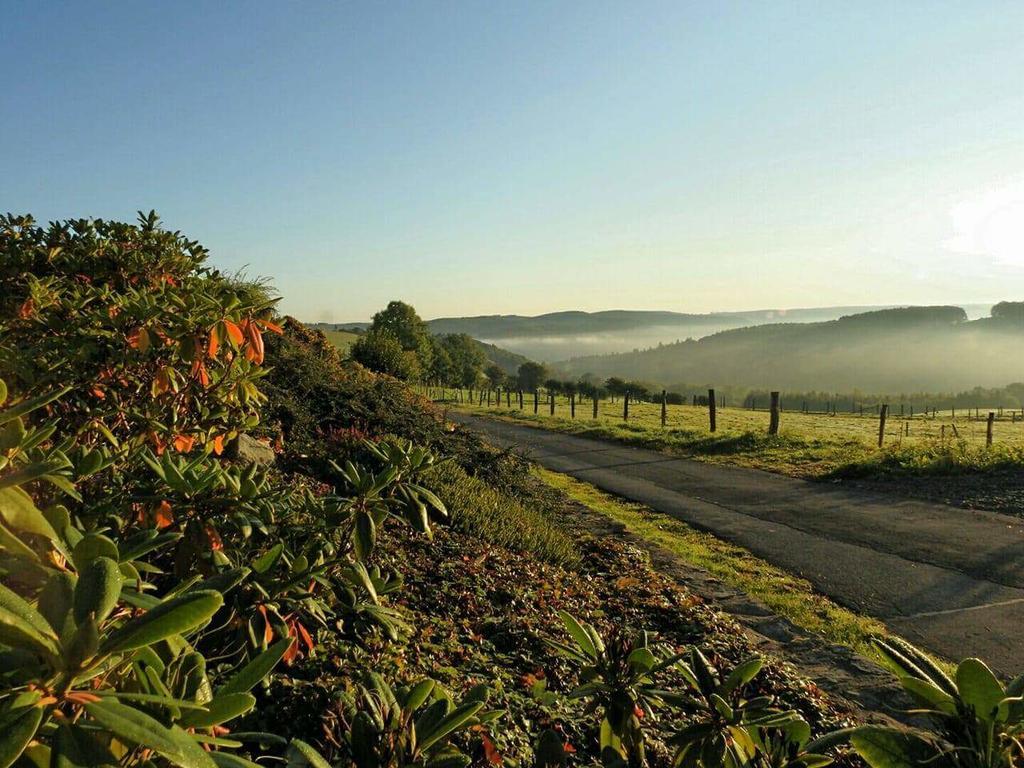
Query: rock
x=251, y=451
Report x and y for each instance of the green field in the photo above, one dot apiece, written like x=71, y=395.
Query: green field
x=343, y=340
x=808, y=444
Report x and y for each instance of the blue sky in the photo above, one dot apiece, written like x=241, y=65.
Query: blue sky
x=477, y=158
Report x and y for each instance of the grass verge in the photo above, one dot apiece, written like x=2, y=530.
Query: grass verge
x=479, y=510
x=782, y=592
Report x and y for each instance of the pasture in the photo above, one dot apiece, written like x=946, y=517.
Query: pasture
x=808, y=444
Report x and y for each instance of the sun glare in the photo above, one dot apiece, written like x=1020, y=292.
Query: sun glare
x=991, y=224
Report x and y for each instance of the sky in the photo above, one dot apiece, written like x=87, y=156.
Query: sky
x=490, y=158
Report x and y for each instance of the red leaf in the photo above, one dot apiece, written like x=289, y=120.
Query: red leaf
x=234, y=332
x=162, y=516
x=491, y=752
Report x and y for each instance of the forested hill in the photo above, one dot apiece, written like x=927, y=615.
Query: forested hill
x=618, y=320
x=909, y=349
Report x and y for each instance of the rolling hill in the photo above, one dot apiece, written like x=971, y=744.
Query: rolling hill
x=895, y=350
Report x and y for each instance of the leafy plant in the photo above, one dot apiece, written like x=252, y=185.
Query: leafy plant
x=412, y=725
x=977, y=721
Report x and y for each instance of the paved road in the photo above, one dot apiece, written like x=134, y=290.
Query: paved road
x=947, y=579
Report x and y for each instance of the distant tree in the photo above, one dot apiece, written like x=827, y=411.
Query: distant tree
x=380, y=351
x=442, y=368
x=530, y=375
x=495, y=374
x=401, y=321
x=1009, y=310
x=467, y=359
x=615, y=386
x=569, y=387
x=553, y=385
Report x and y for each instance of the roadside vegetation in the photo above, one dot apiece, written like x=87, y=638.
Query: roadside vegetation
x=222, y=545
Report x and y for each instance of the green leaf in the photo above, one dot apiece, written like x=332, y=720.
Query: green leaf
x=18, y=733
x=882, y=747
x=135, y=727
x=99, y=586
x=266, y=561
x=301, y=755
x=742, y=674
x=979, y=688
x=170, y=618
x=27, y=406
x=365, y=535
x=20, y=513
x=929, y=694
x=249, y=676
x=91, y=546
x=22, y=626
x=579, y=634
x=458, y=717
x=223, y=708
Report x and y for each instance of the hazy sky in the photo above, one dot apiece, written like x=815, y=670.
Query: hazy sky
x=477, y=158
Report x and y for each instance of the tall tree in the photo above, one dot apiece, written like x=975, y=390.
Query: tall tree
x=531, y=375
x=401, y=321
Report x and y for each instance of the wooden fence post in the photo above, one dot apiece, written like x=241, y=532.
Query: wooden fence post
x=711, y=409
x=664, y=408
x=551, y=402
x=536, y=400
x=572, y=405
x=773, y=421
x=520, y=399
x=988, y=429
x=625, y=406
x=488, y=398
x=595, y=406
x=508, y=398
x=883, y=411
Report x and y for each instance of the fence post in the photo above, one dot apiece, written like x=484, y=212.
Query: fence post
x=488, y=398
x=664, y=408
x=551, y=402
x=883, y=411
x=572, y=405
x=711, y=409
x=988, y=429
x=773, y=421
x=595, y=406
x=536, y=401
x=625, y=406
x=520, y=399
x=508, y=398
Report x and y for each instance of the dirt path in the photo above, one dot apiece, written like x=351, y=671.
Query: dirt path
x=947, y=579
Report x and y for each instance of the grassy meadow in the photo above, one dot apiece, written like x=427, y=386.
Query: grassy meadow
x=811, y=445
x=343, y=340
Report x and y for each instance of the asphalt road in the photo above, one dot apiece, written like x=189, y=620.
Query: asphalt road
x=947, y=579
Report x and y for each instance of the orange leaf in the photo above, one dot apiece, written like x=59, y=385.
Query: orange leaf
x=200, y=373
x=162, y=516
x=234, y=332
x=218, y=445
x=158, y=443
x=184, y=443
x=139, y=339
x=490, y=751
x=304, y=635
x=27, y=309
x=268, y=631
x=254, y=352
x=272, y=327
x=292, y=653
x=213, y=537
x=98, y=393
x=214, y=342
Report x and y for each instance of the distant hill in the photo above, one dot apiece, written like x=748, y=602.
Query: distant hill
x=895, y=350
x=561, y=335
